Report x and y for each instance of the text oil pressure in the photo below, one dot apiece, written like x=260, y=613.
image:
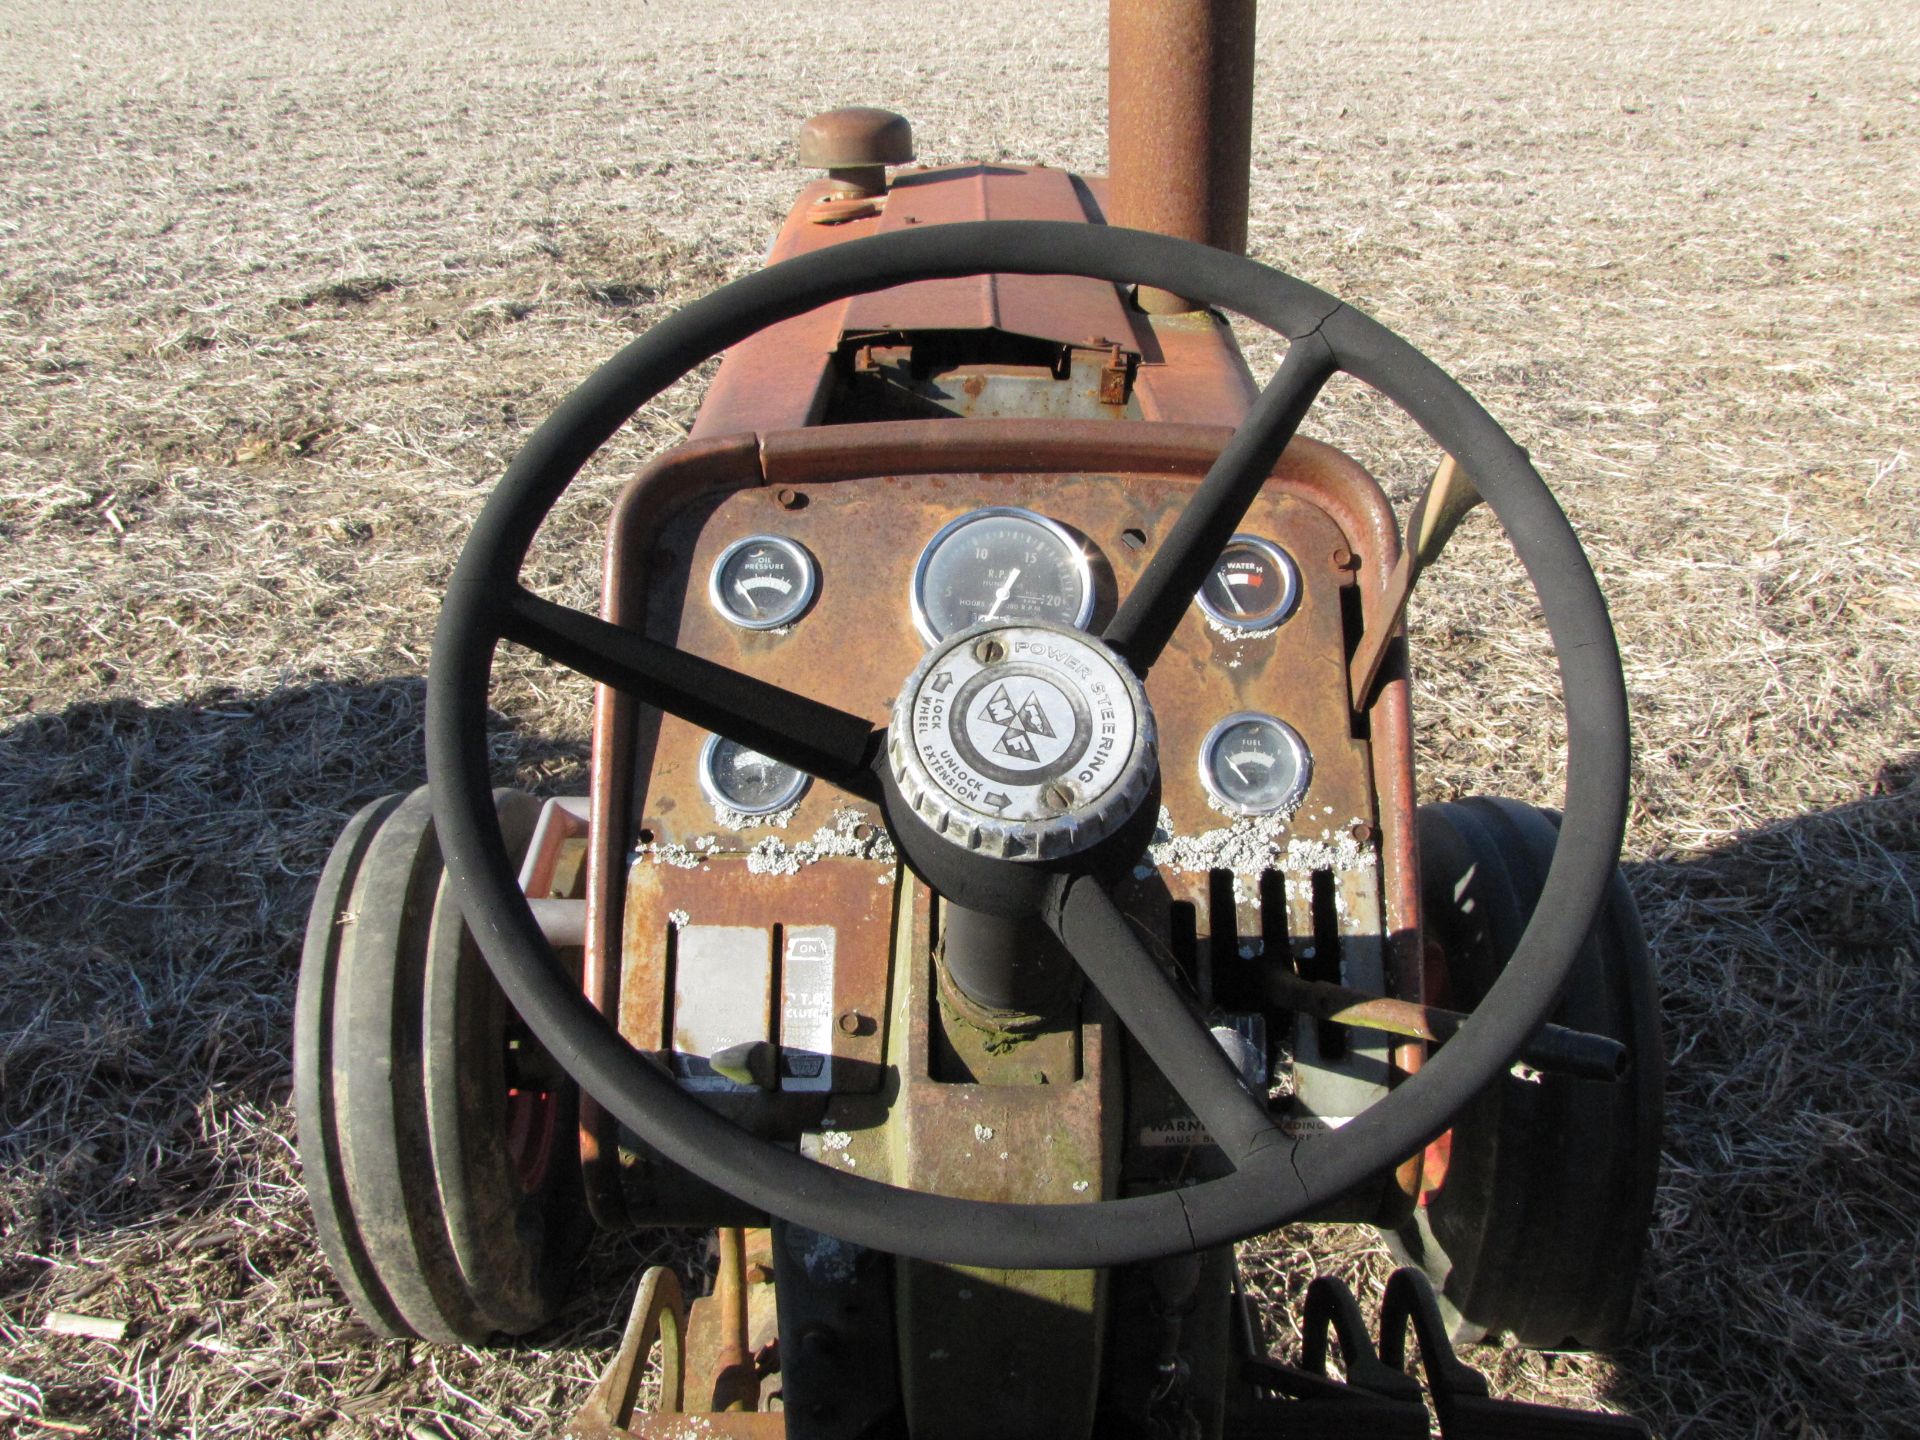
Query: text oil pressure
x=763, y=582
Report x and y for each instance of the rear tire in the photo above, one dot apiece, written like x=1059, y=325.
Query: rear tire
x=399, y=1068
x=1540, y=1220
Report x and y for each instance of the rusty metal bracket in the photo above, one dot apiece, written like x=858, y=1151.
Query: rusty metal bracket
x=1116, y=377
x=838, y=209
x=659, y=1314
x=726, y=1375
x=1449, y=495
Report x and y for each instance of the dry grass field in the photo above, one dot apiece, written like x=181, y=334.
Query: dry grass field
x=283, y=285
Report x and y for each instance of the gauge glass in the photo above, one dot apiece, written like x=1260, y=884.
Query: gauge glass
x=1000, y=564
x=1254, y=764
x=1252, y=585
x=763, y=581
x=742, y=779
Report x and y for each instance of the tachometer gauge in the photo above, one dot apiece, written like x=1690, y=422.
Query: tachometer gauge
x=1000, y=563
x=743, y=780
x=763, y=581
x=1254, y=584
x=1254, y=764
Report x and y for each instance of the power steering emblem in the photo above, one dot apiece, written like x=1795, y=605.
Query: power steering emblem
x=1015, y=724
x=1023, y=741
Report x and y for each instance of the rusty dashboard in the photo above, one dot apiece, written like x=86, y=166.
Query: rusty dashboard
x=763, y=957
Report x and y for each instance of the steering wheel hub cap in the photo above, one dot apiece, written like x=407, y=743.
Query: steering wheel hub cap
x=1023, y=742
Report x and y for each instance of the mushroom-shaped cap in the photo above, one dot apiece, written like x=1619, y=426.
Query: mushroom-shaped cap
x=854, y=137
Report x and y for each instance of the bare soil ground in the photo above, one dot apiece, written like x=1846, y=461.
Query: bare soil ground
x=282, y=286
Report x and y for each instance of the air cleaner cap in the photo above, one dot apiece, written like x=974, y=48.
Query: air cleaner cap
x=1024, y=742
x=855, y=136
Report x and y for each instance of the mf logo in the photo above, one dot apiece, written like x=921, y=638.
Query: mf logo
x=1020, y=722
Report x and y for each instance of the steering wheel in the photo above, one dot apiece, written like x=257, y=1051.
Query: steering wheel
x=1276, y=1178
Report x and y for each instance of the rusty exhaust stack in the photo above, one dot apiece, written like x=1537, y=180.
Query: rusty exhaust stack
x=1180, y=123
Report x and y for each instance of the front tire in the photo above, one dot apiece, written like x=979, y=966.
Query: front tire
x=434, y=1223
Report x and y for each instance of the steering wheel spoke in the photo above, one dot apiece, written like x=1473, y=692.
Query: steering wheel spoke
x=1106, y=947
x=1146, y=620
x=819, y=739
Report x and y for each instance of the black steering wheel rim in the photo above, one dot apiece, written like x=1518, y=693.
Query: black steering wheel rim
x=1272, y=1184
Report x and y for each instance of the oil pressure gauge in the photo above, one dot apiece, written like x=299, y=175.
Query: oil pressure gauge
x=1254, y=764
x=1000, y=563
x=1254, y=584
x=743, y=780
x=763, y=582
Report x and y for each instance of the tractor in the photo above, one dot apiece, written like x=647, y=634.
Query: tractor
x=1001, y=886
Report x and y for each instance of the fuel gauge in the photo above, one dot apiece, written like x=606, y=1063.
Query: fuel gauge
x=743, y=780
x=763, y=582
x=1254, y=584
x=1254, y=764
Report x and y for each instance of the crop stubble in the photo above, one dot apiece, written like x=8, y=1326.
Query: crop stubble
x=282, y=288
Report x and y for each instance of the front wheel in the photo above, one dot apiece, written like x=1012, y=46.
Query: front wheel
x=1533, y=1210
x=440, y=1154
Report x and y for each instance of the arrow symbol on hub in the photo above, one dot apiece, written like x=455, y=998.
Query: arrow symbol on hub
x=997, y=800
x=942, y=681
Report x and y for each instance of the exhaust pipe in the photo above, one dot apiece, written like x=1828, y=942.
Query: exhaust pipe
x=1180, y=123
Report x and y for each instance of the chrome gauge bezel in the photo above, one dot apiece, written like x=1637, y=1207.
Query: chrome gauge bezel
x=1280, y=611
x=796, y=606
x=1077, y=553
x=1303, y=764
x=710, y=785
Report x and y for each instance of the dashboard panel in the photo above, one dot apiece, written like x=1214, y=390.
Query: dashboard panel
x=858, y=641
x=756, y=950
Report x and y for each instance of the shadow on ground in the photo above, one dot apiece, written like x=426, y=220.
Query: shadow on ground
x=157, y=862
x=1791, y=1000
x=155, y=873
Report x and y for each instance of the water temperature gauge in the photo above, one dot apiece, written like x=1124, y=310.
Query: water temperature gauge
x=743, y=780
x=763, y=582
x=1254, y=764
x=1254, y=584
